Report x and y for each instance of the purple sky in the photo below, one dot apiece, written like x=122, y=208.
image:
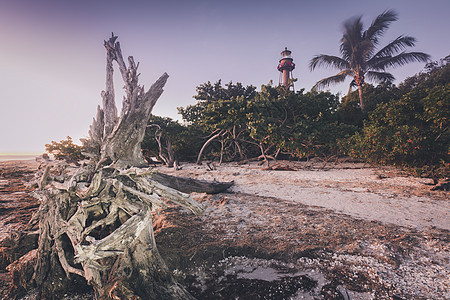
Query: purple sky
x=52, y=59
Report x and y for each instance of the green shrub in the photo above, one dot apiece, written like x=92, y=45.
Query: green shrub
x=411, y=131
x=65, y=150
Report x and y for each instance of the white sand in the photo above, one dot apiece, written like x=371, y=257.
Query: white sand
x=355, y=191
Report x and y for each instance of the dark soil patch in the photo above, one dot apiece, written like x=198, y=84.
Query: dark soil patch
x=350, y=257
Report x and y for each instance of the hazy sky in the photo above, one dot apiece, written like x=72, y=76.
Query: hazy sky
x=52, y=59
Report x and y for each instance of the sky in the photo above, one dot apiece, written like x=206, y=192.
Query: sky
x=52, y=58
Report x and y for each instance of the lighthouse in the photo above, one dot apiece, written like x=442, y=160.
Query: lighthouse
x=285, y=67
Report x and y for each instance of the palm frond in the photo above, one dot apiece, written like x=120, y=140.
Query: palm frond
x=338, y=78
x=378, y=63
x=353, y=28
x=366, y=49
x=380, y=25
x=379, y=77
x=351, y=37
x=401, y=60
x=397, y=45
x=328, y=61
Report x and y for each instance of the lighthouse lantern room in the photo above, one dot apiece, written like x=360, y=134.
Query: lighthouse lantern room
x=285, y=66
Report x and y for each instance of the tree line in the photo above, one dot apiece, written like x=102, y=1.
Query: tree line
x=405, y=125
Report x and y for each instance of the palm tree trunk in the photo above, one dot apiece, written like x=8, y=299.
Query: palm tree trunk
x=361, y=100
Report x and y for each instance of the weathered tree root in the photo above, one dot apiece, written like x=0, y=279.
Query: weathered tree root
x=104, y=234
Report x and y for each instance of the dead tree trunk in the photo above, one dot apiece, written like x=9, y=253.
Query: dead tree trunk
x=95, y=221
x=199, y=157
x=189, y=185
x=169, y=159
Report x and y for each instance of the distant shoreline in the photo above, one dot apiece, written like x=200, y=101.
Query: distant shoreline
x=10, y=157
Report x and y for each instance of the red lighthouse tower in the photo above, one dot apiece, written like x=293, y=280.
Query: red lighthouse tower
x=285, y=67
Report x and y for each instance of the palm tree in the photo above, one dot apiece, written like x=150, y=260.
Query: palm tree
x=359, y=58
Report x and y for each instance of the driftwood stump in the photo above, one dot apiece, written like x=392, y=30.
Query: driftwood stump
x=95, y=222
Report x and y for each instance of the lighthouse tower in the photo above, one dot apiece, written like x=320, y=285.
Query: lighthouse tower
x=285, y=67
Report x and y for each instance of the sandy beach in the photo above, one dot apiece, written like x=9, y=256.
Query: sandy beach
x=354, y=189
x=343, y=231
x=362, y=233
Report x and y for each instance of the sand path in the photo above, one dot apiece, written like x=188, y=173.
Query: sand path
x=351, y=189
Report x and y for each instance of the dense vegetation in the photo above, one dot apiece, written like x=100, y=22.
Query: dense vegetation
x=405, y=125
x=236, y=123
x=409, y=124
